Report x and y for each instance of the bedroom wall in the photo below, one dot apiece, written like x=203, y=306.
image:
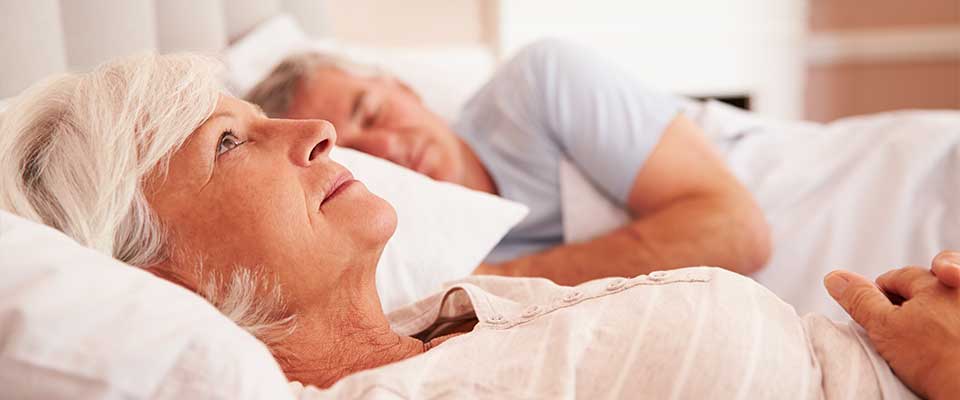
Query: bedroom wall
x=701, y=48
x=893, y=55
x=410, y=23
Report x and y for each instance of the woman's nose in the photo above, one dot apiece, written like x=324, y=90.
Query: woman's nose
x=316, y=142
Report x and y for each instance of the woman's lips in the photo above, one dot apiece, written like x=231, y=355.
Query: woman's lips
x=342, y=182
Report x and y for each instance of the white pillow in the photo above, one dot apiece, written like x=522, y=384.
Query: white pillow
x=443, y=230
x=251, y=58
x=444, y=77
x=77, y=324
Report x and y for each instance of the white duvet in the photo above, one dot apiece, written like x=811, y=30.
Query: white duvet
x=866, y=194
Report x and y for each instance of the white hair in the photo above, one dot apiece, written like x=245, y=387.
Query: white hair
x=76, y=151
x=275, y=92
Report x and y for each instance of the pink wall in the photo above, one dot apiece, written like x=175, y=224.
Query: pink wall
x=410, y=23
x=830, y=15
x=843, y=88
x=839, y=90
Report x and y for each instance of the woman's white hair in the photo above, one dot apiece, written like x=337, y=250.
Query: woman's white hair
x=76, y=151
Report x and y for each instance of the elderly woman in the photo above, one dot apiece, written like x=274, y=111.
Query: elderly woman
x=145, y=159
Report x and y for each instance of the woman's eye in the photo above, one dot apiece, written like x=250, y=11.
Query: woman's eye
x=228, y=141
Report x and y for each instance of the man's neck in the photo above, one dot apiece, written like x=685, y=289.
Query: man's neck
x=475, y=174
x=345, y=335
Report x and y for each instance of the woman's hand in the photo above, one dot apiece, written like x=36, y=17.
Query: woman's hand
x=913, y=320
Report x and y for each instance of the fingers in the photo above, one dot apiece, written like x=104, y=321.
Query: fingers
x=907, y=282
x=865, y=303
x=946, y=266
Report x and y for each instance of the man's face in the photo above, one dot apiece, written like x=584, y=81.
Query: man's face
x=381, y=116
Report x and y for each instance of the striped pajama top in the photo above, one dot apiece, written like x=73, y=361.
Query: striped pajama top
x=691, y=333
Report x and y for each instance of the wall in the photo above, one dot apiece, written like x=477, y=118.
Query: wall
x=410, y=23
x=890, y=55
x=691, y=47
x=815, y=59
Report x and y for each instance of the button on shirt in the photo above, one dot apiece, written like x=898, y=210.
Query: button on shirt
x=689, y=333
x=556, y=101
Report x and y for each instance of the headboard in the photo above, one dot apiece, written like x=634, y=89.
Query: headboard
x=43, y=37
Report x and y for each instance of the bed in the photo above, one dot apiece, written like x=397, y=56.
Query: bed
x=866, y=193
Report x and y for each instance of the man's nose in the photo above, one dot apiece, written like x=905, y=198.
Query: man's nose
x=315, y=142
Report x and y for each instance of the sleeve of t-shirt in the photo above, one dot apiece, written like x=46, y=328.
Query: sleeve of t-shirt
x=601, y=117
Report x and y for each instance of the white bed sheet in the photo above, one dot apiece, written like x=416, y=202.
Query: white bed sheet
x=866, y=194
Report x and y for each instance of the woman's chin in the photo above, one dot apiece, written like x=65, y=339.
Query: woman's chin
x=383, y=225
x=370, y=219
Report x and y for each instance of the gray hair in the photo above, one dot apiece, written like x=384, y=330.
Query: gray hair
x=77, y=149
x=274, y=94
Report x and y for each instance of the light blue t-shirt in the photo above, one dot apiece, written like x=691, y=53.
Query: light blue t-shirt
x=555, y=100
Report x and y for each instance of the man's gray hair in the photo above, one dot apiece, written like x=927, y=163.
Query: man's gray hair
x=274, y=94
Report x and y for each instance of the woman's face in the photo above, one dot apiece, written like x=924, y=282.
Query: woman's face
x=248, y=191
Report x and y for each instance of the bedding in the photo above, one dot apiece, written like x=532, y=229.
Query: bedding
x=426, y=70
x=249, y=59
x=443, y=230
x=77, y=324
x=864, y=193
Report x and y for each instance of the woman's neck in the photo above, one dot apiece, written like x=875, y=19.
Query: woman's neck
x=346, y=334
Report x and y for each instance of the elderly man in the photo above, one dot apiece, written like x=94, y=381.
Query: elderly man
x=552, y=101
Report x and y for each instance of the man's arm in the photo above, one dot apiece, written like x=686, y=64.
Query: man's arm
x=688, y=209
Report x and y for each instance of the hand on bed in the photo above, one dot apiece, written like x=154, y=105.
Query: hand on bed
x=913, y=320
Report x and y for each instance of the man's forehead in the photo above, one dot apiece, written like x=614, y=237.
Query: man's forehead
x=332, y=76
x=332, y=89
